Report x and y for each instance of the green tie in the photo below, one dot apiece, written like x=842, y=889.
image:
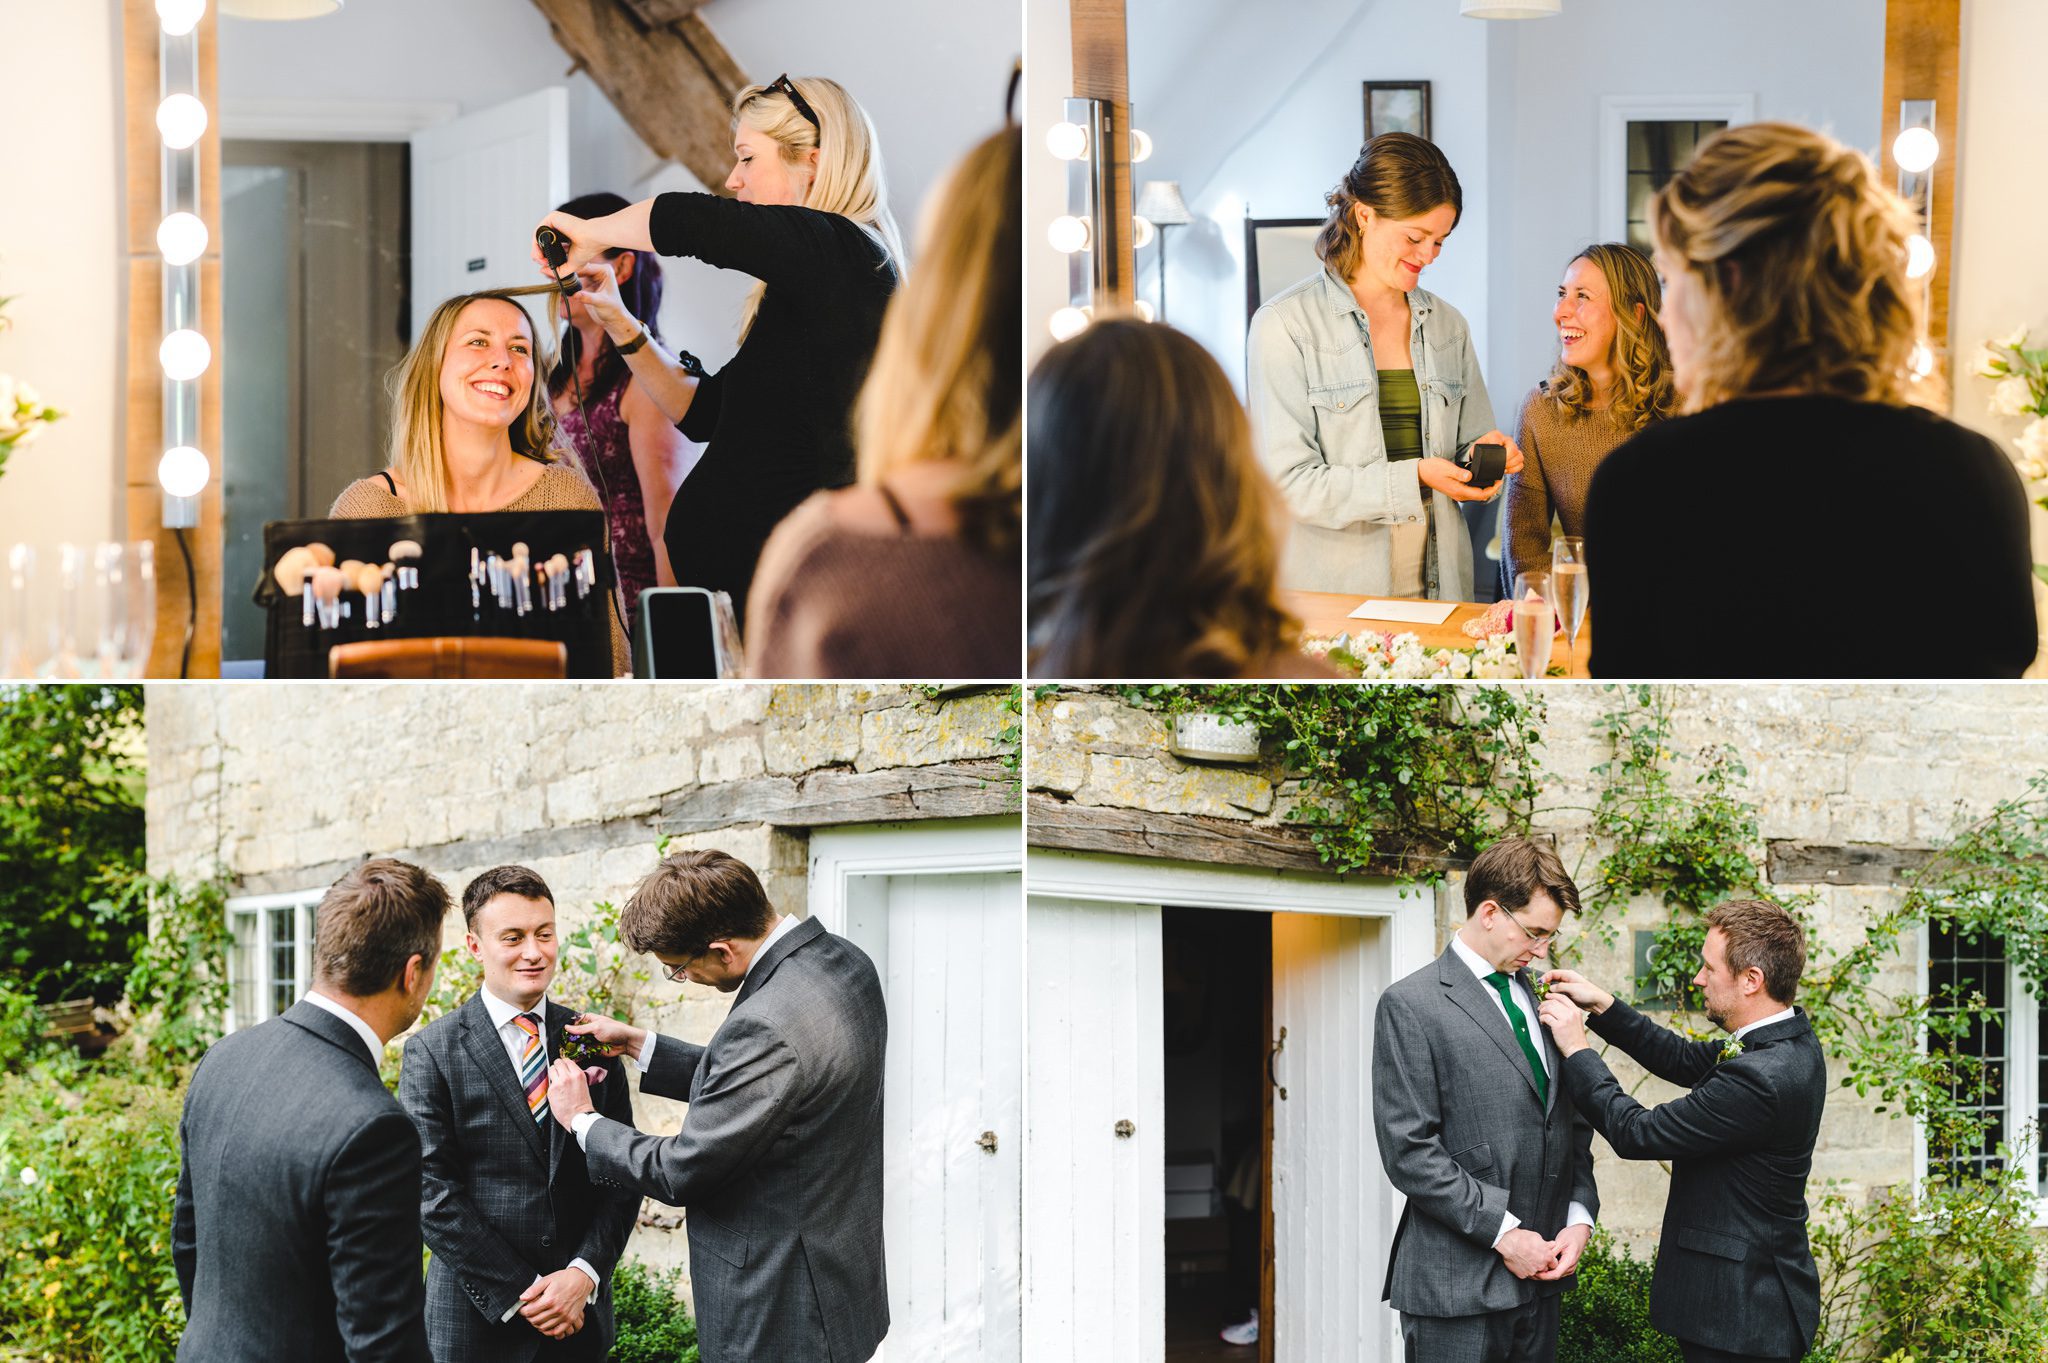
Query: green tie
x=1507, y=1001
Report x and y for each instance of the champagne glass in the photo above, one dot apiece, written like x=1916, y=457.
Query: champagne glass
x=21, y=634
x=1535, y=622
x=1569, y=582
x=123, y=607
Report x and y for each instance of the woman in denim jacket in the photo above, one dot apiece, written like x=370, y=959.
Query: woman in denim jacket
x=1364, y=387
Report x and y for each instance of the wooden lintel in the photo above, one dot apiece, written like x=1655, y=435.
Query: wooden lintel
x=673, y=85
x=1065, y=826
x=1792, y=862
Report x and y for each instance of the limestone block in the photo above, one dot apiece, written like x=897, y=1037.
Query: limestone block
x=921, y=735
x=796, y=746
x=1175, y=788
x=730, y=759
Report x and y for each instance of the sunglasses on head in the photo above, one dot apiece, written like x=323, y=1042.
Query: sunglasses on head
x=803, y=106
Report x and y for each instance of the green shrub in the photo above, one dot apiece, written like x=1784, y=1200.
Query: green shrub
x=21, y=1027
x=88, y=1177
x=654, y=1325
x=1606, y=1318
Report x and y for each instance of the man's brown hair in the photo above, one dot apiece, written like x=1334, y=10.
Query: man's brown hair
x=1761, y=934
x=372, y=921
x=1511, y=872
x=693, y=899
x=518, y=880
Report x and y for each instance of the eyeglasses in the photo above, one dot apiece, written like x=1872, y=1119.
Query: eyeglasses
x=803, y=106
x=1541, y=939
x=674, y=974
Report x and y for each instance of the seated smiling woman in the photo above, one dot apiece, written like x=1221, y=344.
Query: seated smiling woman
x=1363, y=386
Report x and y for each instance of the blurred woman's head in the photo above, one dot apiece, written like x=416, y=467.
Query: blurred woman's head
x=1391, y=212
x=1784, y=268
x=1606, y=317
x=944, y=385
x=1154, y=535
x=639, y=276
x=816, y=148
x=476, y=362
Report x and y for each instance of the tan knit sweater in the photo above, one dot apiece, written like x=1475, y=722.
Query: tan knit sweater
x=559, y=488
x=1559, y=454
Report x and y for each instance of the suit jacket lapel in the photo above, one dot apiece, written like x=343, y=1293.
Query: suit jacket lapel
x=800, y=935
x=558, y=1138
x=1551, y=1059
x=1481, y=1005
x=488, y=1051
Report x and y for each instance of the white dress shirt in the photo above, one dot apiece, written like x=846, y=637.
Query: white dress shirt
x=583, y=1121
x=1765, y=1022
x=513, y=1038
x=361, y=1028
x=1481, y=967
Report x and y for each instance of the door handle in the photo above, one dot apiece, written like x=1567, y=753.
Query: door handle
x=987, y=1141
x=1272, y=1060
x=1125, y=1129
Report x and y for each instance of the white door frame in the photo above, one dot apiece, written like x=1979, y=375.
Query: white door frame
x=1112, y=879
x=331, y=120
x=1618, y=111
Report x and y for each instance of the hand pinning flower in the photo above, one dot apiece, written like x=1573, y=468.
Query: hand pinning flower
x=1542, y=990
x=1730, y=1048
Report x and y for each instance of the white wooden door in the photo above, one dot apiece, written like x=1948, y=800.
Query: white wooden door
x=1095, y=1231
x=479, y=185
x=1332, y=1207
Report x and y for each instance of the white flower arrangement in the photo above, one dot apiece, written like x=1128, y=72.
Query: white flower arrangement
x=2020, y=388
x=23, y=413
x=1373, y=656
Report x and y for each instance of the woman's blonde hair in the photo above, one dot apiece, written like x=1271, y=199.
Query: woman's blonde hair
x=945, y=380
x=1396, y=175
x=849, y=177
x=1155, y=535
x=1643, y=389
x=1798, y=257
x=415, y=451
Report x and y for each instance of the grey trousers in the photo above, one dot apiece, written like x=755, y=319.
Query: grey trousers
x=1521, y=1334
x=1700, y=1353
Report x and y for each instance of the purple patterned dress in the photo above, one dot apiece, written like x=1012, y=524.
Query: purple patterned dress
x=607, y=456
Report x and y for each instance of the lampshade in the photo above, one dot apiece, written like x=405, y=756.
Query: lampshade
x=1510, y=9
x=1160, y=202
x=279, y=9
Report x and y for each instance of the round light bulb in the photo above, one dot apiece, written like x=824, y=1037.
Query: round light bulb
x=1068, y=234
x=1141, y=145
x=1143, y=309
x=1919, y=257
x=185, y=354
x=1068, y=322
x=179, y=17
x=1915, y=149
x=1142, y=232
x=1922, y=362
x=182, y=121
x=1068, y=141
x=182, y=239
x=183, y=471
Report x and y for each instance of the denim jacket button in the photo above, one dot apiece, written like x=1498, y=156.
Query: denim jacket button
x=1340, y=406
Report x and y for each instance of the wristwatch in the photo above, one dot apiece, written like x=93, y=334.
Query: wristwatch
x=638, y=341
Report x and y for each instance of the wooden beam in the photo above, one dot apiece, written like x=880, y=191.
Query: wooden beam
x=672, y=85
x=1789, y=861
x=1923, y=42
x=662, y=13
x=1065, y=826
x=143, y=502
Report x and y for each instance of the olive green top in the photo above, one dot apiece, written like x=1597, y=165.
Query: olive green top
x=1401, y=413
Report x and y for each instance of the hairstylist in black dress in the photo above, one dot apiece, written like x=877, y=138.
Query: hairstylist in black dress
x=810, y=220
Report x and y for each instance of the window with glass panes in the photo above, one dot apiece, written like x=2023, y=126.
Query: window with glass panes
x=2012, y=1090
x=1657, y=150
x=271, y=963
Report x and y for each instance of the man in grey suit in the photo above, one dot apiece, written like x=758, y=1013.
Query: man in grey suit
x=524, y=1246
x=296, y=1232
x=1740, y=1143
x=1495, y=1162
x=779, y=1162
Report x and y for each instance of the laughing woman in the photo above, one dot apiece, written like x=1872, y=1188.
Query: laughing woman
x=1364, y=386
x=1612, y=378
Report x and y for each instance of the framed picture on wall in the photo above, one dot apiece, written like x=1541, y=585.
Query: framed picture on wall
x=1396, y=106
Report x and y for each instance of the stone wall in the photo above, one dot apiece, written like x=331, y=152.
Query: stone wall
x=1838, y=765
x=287, y=786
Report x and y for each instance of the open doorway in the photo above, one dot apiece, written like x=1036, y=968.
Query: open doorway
x=1214, y=972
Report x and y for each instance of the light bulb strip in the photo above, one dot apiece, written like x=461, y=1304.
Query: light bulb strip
x=178, y=74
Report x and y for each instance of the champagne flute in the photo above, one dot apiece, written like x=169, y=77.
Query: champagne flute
x=1569, y=581
x=1535, y=622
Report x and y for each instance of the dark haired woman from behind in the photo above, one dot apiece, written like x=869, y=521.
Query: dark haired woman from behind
x=1364, y=388
x=1804, y=519
x=1154, y=537
x=1612, y=378
x=631, y=450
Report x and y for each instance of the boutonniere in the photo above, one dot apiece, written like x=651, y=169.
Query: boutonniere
x=1542, y=990
x=1730, y=1048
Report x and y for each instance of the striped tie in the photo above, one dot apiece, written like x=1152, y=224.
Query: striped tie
x=533, y=1066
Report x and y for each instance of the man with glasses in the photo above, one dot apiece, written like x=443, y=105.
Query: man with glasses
x=1496, y=1163
x=779, y=1162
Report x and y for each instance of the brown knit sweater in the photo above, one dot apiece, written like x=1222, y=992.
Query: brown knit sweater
x=559, y=488
x=1559, y=454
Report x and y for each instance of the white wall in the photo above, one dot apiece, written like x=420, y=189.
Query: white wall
x=2001, y=279
x=61, y=253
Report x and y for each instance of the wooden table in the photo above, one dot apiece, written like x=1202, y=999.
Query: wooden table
x=1327, y=613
